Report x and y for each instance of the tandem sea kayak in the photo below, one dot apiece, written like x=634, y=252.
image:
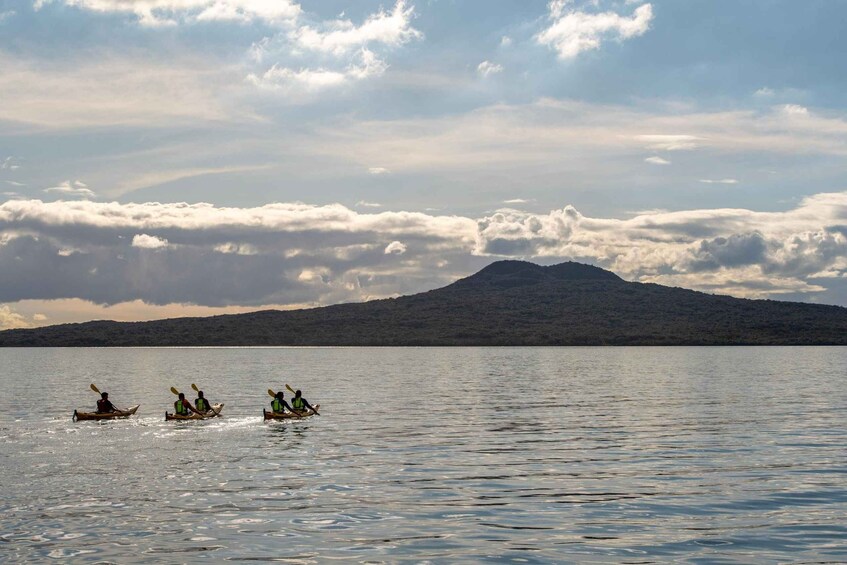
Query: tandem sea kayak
x=105, y=415
x=288, y=415
x=215, y=411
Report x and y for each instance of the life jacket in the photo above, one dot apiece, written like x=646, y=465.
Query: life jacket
x=276, y=405
x=104, y=405
x=201, y=405
x=298, y=404
x=180, y=408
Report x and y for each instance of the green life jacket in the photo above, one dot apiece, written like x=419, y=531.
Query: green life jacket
x=180, y=408
x=201, y=405
x=298, y=403
x=276, y=405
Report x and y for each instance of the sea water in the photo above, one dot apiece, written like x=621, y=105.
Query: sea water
x=441, y=455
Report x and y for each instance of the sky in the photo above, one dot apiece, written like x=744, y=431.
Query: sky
x=163, y=158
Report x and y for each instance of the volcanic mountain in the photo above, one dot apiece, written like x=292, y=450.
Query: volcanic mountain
x=506, y=303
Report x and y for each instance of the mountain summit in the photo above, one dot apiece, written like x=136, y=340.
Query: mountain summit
x=505, y=274
x=506, y=303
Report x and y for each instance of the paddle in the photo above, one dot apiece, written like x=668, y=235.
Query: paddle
x=196, y=389
x=97, y=390
x=292, y=391
x=176, y=392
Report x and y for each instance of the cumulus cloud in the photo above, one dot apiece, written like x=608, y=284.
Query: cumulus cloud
x=487, y=68
x=795, y=111
x=9, y=319
x=215, y=256
x=655, y=160
x=395, y=248
x=145, y=241
x=72, y=189
x=347, y=52
x=171, y=12
x=338, y=37
x=301, y=254
x=574, y=31
x=307, y=80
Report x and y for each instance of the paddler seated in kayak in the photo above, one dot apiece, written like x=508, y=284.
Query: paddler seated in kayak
x=201, y=403
x=183, y=407
x=278, y=404
x=104, y=405
x=300, y=404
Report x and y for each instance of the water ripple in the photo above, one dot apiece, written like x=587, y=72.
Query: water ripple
x=531, y=455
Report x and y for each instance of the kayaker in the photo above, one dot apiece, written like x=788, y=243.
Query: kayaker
x=300, y=404
x=104, y=405
x=183, y=407
x=201, y=403
x=278, y=404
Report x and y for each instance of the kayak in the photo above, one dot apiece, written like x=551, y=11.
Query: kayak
x=288, y=415
x=105, y=415
x=216, y=409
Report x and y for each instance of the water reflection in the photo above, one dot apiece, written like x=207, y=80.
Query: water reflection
x=527, y=454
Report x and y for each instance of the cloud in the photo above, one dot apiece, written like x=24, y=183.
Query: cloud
x=719, y=181
x=72, y=188
x=365, y=204
x=572, y=31
x=145, y=241
x=9, y=319
x=794, y=111
x=306, y=80
x=657, y=161
x=505, y=41
x=347, y=52
x=378, y=170
x=516, y=201
x=118, y=91
x=39, y=317
x=395, y=248
x=672, y=142
x=487, y=68
x=343, y=36
x=172, y=12
x=298, y=254
x=216, y=257
x=10, y=163
x=566, y=136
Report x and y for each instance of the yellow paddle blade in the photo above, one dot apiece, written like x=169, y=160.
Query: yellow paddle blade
x=291, y=390
x=271, y=393
x=95, y=389
x=194, y=386
x=174, y=390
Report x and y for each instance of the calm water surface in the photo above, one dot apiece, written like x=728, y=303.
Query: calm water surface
x=624, y=455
